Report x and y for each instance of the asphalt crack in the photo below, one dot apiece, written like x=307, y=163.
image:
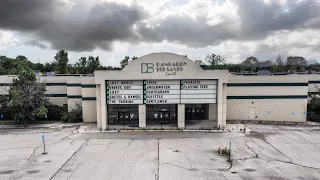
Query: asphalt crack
x=278, y=150
x=82, y=146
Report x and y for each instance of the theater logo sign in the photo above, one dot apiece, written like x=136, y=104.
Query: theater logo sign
x=168, y=68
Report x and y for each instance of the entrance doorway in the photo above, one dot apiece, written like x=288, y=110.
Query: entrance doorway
x=196, y=111
x=123, y=115
x=161, y=114
x=252, y=114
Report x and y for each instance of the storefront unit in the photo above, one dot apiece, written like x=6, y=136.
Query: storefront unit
x=161, y=88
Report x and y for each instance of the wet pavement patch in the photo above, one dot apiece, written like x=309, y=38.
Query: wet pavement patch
x=33, y=171
x=7, y=172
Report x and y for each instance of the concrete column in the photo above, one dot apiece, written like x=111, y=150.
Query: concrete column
x=212, y=112
x=98, y=95
x=103, y=107
x=181, y=116
x=219, y=105
x=142, y=116
x=224, y=105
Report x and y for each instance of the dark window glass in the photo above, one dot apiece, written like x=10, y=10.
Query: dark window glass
x=123, y=114
x=161, y=113
x=196, y=111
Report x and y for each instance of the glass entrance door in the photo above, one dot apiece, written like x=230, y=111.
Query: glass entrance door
x=161, y=114
x=124, y=117
x=164, y=117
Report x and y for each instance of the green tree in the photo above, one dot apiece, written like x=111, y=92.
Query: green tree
x=27, y=97
x=214, y=59
x=134, y=58
x=93, y=64
x=124, y=62
x=81, y=65
x=21, y=58
x=62, y=61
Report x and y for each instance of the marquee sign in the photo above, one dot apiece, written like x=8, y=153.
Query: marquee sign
x=161, y=92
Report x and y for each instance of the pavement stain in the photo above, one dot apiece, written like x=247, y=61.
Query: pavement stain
x=32, y=171
x=249, y=170
x=6, y=172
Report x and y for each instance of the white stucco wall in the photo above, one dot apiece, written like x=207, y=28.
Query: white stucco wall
x=283, y=98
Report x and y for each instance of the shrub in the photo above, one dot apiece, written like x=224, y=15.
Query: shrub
x=314, y=107
x=55, y=112
x=74, y=115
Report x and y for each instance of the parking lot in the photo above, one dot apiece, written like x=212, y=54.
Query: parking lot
x=267, y=152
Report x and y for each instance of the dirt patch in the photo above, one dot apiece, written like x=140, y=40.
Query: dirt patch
x=33, y=171
x=7, y=172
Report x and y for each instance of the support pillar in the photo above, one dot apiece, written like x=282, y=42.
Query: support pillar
x=219, y=105
x=104, y=113
x=212, y=112
x=142, y=116
x=98, y=95
x=181, y=116
x=224, y=105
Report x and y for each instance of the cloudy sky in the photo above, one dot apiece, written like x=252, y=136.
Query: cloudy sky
x=112, y=29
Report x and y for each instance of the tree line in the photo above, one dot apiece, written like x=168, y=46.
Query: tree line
x=252, y=64
x=87, y=65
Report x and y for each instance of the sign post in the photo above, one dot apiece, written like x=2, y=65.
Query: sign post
x=44, y=145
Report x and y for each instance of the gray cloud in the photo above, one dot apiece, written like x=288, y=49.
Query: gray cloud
x=36, y=43
x=257, y=20
x=78, y=29
x=87, y=25
x=25, y=15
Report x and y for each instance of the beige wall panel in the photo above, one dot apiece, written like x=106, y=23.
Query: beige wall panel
x=73, y=102
x=89, y=111
x=266, y=90
x=88, y=92
x=74, y=90
x=269, y=79
x=280, y=109
x=56, y=90
x=53, y=79
x=87, y=80
x=58, y=100
x=73, y=80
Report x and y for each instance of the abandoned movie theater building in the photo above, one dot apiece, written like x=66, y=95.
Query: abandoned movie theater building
x=171, y=90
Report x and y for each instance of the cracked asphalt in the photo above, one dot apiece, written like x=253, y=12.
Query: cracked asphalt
x=267, y=152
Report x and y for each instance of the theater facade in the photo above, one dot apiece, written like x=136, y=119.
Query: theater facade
x=170, y=90
x=161, y=89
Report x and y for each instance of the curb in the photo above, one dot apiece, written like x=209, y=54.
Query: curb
x=146, y=130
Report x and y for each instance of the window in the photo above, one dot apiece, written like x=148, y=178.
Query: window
x=123, y=114
x=196, y=111
x=161, y=113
